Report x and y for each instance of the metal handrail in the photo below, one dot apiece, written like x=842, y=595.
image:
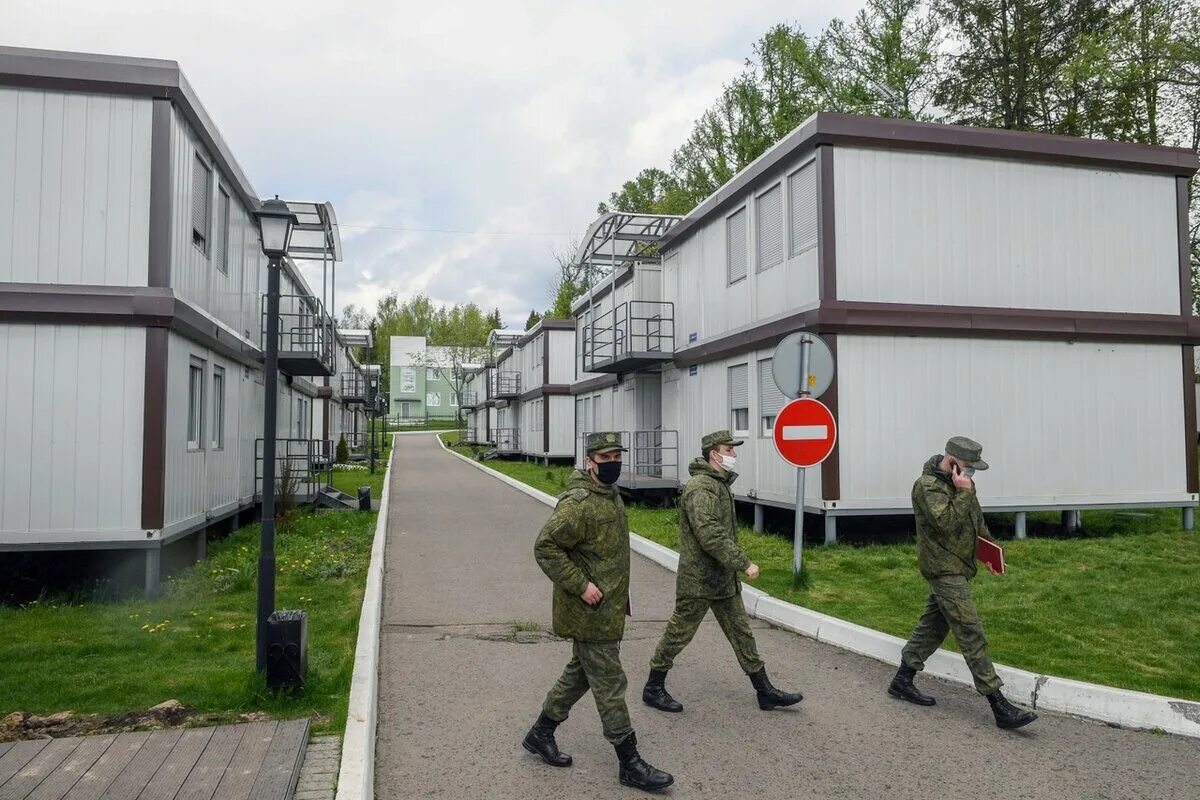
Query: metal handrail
x=652, y=454
x=304, y=327
x=506, y=383
x=356, y=384
x=505, y=439
x=309, y=461
x=635, y=326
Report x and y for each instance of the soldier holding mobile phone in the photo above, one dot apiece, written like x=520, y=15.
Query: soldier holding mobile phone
x=949, y=519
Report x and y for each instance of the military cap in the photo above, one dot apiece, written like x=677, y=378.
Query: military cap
x=604, y=442
x=968, y=451
x=715, y=438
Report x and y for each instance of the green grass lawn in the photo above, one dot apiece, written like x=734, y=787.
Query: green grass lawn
x=348, y=481
x=196, y=643
x=1115, y=604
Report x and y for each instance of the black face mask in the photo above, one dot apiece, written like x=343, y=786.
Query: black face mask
x=608, y=472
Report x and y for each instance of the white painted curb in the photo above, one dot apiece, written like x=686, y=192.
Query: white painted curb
x=1108, y=704
x=356, y=777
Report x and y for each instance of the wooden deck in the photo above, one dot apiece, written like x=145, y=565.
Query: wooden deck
x=257, y=761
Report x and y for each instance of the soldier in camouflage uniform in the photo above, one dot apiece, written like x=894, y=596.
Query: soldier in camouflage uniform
x=584, y=549
x=949, y=519
x=710, y=559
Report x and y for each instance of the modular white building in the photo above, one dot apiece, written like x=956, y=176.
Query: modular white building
x=1030, y=291
x=131, y=313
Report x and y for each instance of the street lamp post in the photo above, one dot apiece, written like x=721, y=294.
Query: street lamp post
x=275, y=221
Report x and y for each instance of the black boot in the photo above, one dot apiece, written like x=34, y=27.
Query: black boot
x=655, y=694
x=1009, y=716
x=637, y=773
x=768, y=696
x=902, y=687
x=540, y=742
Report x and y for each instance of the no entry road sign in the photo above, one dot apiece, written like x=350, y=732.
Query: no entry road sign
x=805, y=432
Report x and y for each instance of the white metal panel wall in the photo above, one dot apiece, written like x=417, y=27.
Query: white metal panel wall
x=233, y=297
x=1055, y=427
x=74, y=188
x=695, y=405
x=71, y=405
x=952, y=230
x=562, y=349
x=695, y=274
x=199, y=482
x=562, y=425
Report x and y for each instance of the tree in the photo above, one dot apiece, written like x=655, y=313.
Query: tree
x=653, y=191
x=494, y=320
x=886, y=60
x=1025, y=64
x=570, y=282
x=533, y=319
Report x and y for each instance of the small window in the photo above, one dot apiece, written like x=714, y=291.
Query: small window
x=739, y=399
x=201, y=191
x=735, y=245
x=431, y=373
x=768, y=228
x=195, y=430
x=301, y=418
x=221, y=243
x=770, y=399
x=433, y=399
x=454, y=399
x=802, y=204
x=218, y=418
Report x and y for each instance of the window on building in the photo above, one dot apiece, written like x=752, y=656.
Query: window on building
x=408, y=380
x=454, y=396
x=768, y=228
x=221, y=242
x=739, y=400
x=802, y=203
x=770, y=399
x=431, y=373
x=433, y=399
x=201, y=198
x=218, y=415
x=195, y=430
x=735, y=245
x=301, y=418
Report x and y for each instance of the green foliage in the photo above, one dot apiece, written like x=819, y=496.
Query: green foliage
x=343, y=450
x=533, y=319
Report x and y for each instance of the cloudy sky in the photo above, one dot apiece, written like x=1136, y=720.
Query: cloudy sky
x=461, y=142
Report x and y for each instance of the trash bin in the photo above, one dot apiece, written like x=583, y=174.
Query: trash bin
x=287, y=649
x=364, y=498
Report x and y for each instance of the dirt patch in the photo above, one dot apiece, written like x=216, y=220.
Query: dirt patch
x=171, y=714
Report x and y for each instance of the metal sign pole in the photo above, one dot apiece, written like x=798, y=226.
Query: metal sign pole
x=798, y=532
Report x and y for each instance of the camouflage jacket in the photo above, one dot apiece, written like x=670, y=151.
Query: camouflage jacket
x=709, y=554
x=586, y=540
x=948, y=521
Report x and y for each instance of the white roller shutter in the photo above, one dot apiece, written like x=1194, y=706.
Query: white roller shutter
x=802, y=199
x=735, y=245
x=768, y=228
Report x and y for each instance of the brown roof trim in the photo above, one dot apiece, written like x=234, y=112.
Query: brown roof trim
x=546, y=325
x=154, y=430
x=1189, y=418
x=1183, y=209
x=826, y=238
x=592, y=384
x=896, y=319
x=137, y=77
x=162, y=164
x=148, y=306
x=546, y=390
x=858, y=131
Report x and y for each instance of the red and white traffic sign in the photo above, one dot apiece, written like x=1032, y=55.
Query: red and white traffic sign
x=805, y=432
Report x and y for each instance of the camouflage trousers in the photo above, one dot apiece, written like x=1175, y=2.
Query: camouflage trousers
x=950, y=609
x=595, y=666
x=689, y=613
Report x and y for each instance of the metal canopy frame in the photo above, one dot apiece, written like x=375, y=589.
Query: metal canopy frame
x=620, y=238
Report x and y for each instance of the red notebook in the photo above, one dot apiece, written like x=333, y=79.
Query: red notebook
x=990, y=553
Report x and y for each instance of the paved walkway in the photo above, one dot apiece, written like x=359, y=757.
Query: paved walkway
x=259, y=761
x=459, y=687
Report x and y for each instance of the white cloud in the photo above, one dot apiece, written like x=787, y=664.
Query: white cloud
x=510, y=121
